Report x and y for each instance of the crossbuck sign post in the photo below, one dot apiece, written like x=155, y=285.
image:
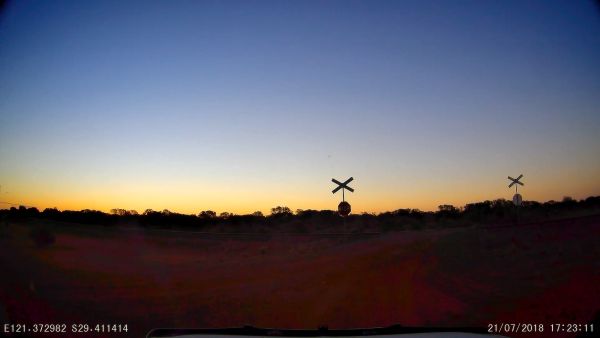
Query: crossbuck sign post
x=517, y=198
x=344, y=207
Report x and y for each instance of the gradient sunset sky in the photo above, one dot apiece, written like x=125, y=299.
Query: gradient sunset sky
x=244, y=105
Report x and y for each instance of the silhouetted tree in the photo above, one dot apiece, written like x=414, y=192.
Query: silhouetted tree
x=479, y=211
x=281, y=211
x=591, y=202
x=401, y=212
x=51, y=211
x=449, y=211
x=207, y=214
x=257, y=214
x=225, y=215
x=119, y=212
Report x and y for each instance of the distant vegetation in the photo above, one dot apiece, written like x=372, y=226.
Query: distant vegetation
x=497, y=212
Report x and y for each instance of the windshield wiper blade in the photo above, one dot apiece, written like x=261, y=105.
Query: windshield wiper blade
x=322, y=331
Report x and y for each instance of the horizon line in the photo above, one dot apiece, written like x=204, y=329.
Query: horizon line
x=17, y=205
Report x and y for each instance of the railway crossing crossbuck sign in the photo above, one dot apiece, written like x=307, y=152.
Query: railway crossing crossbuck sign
x=517, y=198
x=344, y=207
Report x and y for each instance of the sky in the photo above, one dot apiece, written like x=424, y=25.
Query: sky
x=245, y=105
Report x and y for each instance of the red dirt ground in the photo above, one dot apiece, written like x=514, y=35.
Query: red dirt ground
x=542, y=273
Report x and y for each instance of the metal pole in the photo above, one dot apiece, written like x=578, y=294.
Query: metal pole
x=517, y=209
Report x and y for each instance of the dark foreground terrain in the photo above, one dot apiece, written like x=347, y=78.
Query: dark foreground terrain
x=548, y=272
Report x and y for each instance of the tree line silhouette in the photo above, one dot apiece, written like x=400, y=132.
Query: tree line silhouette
x=498, y=211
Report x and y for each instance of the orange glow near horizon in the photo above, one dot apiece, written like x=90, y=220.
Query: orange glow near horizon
x=195, y=197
